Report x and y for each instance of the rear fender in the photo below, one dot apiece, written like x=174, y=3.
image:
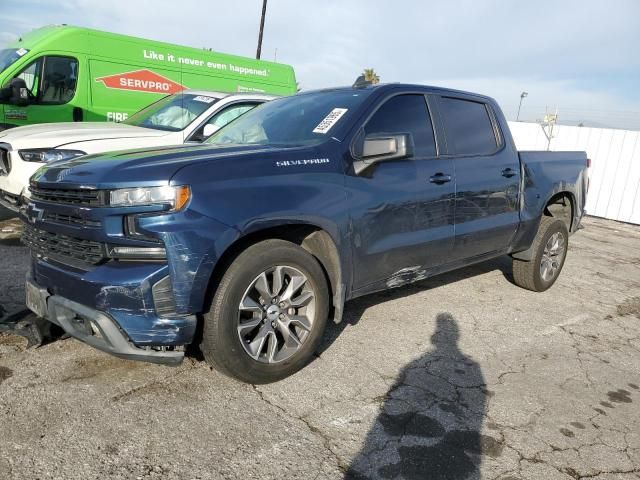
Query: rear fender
x=529, y=226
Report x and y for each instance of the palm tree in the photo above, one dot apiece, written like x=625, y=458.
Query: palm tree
x=370, y=75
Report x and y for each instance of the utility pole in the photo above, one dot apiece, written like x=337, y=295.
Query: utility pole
x=522, y=95
x=264, y=12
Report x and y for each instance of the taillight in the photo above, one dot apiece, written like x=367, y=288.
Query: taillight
x=588, y=163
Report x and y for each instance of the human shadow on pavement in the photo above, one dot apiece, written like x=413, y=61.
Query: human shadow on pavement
x=430, y=423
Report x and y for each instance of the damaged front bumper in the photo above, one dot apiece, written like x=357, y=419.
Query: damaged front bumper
x=122, y=320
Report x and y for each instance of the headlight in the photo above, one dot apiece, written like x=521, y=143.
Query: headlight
x=176, y=197
x=45, y=155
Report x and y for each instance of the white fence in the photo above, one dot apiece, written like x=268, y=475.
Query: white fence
x=614, y=190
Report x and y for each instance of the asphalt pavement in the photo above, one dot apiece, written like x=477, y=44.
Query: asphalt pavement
x=463, y=375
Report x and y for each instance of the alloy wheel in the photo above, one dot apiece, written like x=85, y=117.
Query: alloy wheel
x=552, y=257
x=276, y=314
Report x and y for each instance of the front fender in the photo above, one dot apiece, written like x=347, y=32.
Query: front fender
x=194, y=243
x=297, y=186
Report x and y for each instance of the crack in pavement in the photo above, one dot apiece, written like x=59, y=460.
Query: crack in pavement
x=326, y=441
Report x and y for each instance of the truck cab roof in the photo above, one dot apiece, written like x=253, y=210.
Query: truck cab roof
x=384, y=87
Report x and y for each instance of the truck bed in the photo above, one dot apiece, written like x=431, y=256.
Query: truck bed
x=545, y=175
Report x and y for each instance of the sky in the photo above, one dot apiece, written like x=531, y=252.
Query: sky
x=580, y=57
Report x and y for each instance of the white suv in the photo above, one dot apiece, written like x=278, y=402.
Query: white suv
x=186, y=117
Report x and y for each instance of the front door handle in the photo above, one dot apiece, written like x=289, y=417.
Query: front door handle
x=440, y=178
x=509, y=172
x=78, y=114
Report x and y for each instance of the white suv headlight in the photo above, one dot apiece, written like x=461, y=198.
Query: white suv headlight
x=176, y=197
x=45, y=155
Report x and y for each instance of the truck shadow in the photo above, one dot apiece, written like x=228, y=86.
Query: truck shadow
x=354, y=309
x=430, y=422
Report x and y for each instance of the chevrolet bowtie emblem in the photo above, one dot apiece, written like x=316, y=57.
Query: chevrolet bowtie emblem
x=34, y=213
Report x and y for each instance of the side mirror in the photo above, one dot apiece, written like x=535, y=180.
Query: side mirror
x=380, y=148
x=209, y=129
x=19, y=93
x=5, y=93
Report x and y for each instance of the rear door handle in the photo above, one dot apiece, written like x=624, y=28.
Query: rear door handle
x=440, y=178
x=509, y=172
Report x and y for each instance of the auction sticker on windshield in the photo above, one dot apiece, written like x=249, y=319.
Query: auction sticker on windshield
x=203, y=99
x=330, y=120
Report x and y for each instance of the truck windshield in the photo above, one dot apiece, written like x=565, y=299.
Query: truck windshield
x=304, y=119
x=172, y=113
x=10, y=55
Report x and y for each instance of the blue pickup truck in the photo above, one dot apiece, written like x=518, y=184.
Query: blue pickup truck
x=247, y=245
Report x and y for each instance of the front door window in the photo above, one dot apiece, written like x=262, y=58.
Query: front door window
x=51, y=80
x=31, y=76
x=59, y=80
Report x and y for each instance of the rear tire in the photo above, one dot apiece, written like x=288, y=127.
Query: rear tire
x=268, y=313
x=549, y=253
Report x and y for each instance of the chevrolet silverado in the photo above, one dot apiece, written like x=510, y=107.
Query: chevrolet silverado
x=245, y=246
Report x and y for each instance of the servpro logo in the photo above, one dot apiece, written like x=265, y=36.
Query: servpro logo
x=141, y=81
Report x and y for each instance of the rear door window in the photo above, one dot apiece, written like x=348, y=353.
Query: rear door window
x=469, y=129
x=405, y=114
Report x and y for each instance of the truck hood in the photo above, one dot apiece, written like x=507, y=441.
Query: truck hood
x=53, y=135
x=146, y=167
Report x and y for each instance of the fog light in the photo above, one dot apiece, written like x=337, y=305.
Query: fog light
x=143, y=253
x=163, y=300
x=95, y=329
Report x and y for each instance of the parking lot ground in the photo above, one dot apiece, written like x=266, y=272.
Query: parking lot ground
x=460, y=376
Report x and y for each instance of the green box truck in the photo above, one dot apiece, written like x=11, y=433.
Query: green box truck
x=64, y=73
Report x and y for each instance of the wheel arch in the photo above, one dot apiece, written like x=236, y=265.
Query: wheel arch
x=311, y=237
x=560, y=204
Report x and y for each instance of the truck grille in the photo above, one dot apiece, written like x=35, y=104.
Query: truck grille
x=95, y=198
x=5, y=162
x=70, y=220
x=68, y=250
x=9, y=198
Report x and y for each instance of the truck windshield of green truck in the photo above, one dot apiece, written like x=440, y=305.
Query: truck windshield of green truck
x=9, y=55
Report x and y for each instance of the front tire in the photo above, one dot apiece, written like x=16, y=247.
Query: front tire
x=549, y=253
x=268, y=313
